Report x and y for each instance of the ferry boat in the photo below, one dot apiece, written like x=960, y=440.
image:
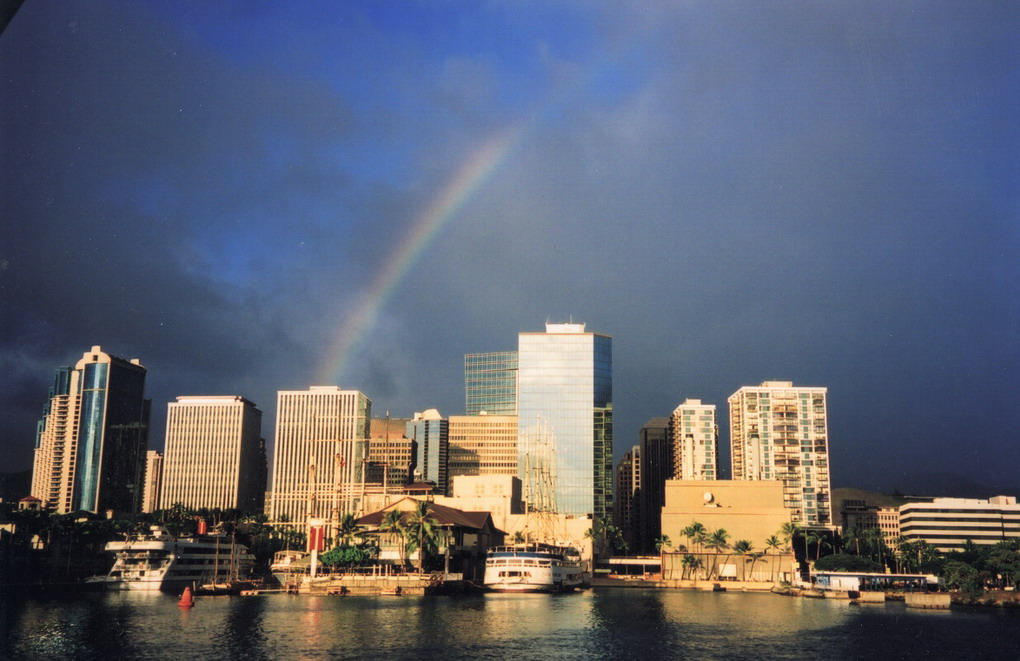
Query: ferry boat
x=533, y=567
x=160, y=561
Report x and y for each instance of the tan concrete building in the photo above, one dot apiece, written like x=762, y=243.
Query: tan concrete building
x=153, y=480
x=778, y=431
x=214, y=455
x=694, y=435
x=321, y=441
x=746, y=510
x=482, y=445
x=389, y=453
x=888, y=521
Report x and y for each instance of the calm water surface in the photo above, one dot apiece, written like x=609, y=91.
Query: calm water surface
x=599, y=624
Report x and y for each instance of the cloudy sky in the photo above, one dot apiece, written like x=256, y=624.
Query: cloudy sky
x=258, y=196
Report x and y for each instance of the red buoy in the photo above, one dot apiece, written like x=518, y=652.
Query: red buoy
x=186, y=600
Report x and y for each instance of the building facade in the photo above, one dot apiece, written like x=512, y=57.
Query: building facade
x=656, y=452
x=627, y=496
x=694, y=436
x=949, y=523
x=321, y=441
x=779, y=431
x=214, y=455
x=482, y=445
x=430, y=435
x=490, y=383
x=92, y=440
x=153, y=481
x=390, y=453
x=565, y=401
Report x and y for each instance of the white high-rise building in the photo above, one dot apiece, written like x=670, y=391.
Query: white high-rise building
x=214, y=456
x=694, y=435
x=778, y=431
x=321, y=441
x=565, y=404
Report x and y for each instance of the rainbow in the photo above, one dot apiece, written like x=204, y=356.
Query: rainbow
x=424, y=230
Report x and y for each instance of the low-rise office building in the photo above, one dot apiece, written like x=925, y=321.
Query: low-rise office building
x=949, y=523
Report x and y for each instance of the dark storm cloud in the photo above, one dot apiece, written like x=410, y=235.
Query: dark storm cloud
x=824, y=194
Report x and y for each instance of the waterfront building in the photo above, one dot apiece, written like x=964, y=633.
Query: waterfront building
x=490, y=383
x=321, y=439
x=694, y=435
x=656, y=455
x=499, y=495
x=747, y=510
x=430, y=434
x=949, y=523
x=627, y=495
x=92, y=439
x=565, y=401
x=779, y=431
x=482, y=444
x=153, y=481
x=214, y=455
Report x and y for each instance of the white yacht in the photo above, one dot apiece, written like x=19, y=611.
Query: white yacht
x=533, y=567
x=160, y=561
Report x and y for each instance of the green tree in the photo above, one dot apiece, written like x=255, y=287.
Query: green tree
x=695, y=533
x=393, y=524
x=718, y=542
x=743, y=548
x=690, y=564
x=423, y=533
x=847, y=562
x=773, y=544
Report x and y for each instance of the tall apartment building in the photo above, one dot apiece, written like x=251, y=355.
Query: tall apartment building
x=565, y=396
x=779, y=431
x=430, y=434
x=627, y=496
x=694, y=436
x=214, y=455
x=92, y=439
x=482, y=445
x=153, y=481
x=656, y=452
x=321, y=440
x=490, y=383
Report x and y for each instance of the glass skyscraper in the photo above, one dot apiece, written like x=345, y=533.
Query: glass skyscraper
x=90, y=452
x=430, y=434
x=565, y=402
x=490, y=383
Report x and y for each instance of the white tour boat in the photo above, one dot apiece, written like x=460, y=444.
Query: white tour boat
x=533, y=567
x=160, y=561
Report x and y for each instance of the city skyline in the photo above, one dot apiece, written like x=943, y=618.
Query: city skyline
x=271, y=198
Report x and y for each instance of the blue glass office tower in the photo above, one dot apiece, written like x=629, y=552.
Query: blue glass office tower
x=565, y=399
x=490, y=383
x=430, y=436
x=92, y=440
x=113, y=433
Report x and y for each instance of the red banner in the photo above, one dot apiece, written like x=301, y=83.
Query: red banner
x=316, y=538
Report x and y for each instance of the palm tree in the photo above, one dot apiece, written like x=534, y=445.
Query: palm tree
x=718, y=541
x=774, y=544
x=696, y=533
x=744, y=548
x=690, y=562
x=346, y=530
x=422, y=531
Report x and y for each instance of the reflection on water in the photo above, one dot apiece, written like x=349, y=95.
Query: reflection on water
x=605, y=624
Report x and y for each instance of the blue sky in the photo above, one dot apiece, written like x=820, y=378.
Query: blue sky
x=735, y=191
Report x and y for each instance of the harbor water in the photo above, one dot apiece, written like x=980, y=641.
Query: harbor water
x=606, y=623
